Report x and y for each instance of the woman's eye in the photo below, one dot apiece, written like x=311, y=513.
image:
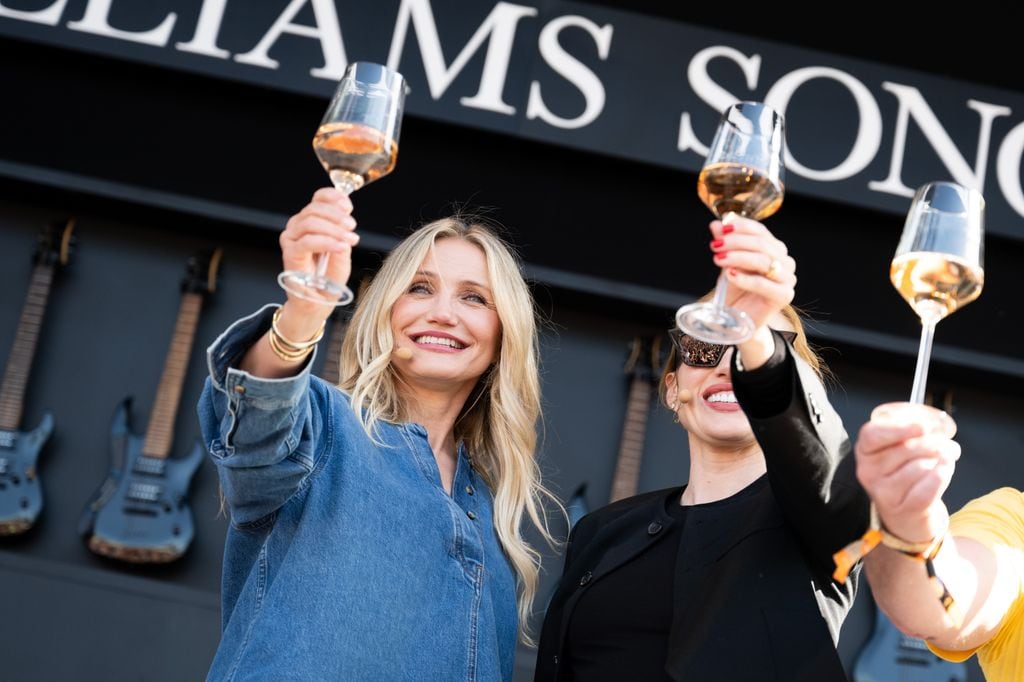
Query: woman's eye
x=419, y=288
x=476, y=298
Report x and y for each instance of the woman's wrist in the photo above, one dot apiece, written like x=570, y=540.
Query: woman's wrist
x=753, y=353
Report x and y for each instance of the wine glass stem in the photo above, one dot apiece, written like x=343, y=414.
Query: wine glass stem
x=924, y=353
x=722, y=285
x=321, y=259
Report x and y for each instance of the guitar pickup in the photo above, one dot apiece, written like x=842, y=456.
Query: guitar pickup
x=150, y=466
x=144, y=492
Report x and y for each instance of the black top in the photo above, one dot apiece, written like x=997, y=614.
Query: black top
x=752, y=595
x=619, y=629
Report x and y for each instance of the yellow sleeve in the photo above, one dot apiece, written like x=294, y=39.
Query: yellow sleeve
x=996, y=520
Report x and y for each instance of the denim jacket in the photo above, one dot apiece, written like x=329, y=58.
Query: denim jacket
x=345, y=558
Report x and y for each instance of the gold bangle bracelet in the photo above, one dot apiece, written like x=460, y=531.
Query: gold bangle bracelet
x=283, y=353
x=287, y=343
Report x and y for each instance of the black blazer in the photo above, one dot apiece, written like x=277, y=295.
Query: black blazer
x=753, y=595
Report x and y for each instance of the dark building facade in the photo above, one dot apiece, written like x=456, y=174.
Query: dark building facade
x=171, y=128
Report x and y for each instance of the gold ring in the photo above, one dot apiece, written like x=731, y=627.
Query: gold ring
x=773, y=270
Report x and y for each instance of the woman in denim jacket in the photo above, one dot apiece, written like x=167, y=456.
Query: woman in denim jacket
x=375, y=526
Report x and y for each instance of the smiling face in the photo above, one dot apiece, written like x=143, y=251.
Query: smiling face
x=447, y=318
x=712, y=414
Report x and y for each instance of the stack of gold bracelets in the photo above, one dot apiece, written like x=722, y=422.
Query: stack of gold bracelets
x=285, y=348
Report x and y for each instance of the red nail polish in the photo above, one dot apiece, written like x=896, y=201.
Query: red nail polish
x=727, y=229
x=721, y=254
x=717, y=243
x=733, y=272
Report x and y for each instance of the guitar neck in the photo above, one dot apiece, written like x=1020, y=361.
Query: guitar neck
x=19, y=362
x=627, y=467
x=331, y=372
x=159, y=434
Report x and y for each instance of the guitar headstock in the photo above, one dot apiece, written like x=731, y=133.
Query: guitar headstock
x=645, y=358
x=54, y=244
x=201, y=273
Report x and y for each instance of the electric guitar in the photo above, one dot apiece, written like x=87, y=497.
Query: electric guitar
x=891, y=656
x=331, y=371
x=140, y=514
x=640, y=369
x=21, y=495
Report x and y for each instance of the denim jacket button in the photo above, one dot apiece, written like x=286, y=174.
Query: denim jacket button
x=239, y=389
x=469, y=490
x=471, y=515
x=586, y=578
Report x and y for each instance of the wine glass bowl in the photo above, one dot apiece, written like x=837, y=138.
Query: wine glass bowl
x=742, y=175
x=356, y=143
x=939, y=263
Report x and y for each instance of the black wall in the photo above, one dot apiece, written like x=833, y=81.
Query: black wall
x=68, y=614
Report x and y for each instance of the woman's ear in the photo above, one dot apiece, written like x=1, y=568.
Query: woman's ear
x=670, y=388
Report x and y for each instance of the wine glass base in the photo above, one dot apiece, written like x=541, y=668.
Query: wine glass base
x=309, y=287
x=709, y=323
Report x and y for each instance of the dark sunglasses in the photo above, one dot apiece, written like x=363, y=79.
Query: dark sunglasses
x=696, y=353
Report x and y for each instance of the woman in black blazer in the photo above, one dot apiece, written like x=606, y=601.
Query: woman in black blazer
x=730, y=576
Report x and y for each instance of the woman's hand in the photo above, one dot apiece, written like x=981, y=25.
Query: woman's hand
x=905, y=461
x=761, y=274
x=323, y=226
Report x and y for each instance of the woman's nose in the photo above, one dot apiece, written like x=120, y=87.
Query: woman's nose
x=442, y=311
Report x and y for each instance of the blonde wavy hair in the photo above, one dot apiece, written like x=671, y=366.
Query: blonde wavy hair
x=498, y=423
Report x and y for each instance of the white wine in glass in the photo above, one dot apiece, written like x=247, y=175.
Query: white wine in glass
x=742, y=175
x=938, y=267
x=357, y=143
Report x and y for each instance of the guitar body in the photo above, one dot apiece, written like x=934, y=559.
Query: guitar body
x=21, y=495
x=141, y=514
x=891, y=656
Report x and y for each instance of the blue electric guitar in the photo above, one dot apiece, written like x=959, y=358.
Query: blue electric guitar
x=141, y=514
x=891, y=656
x=21, y=495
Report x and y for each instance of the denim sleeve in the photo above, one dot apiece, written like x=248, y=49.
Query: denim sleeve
x=264, y=435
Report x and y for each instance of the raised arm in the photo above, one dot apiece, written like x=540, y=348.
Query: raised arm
x=325, y=225
x=805, y=446
x=906, y=467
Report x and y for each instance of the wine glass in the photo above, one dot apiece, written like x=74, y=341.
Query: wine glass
x=938, y=266
x=357, y=143
x=742, y=175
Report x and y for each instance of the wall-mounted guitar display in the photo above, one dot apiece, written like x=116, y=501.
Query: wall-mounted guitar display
x=641, y=365
x=21, y=495
x=140, y=514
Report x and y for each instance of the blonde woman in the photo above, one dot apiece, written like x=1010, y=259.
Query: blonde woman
x=375, y=526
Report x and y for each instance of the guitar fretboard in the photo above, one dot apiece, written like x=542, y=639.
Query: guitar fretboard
x=160, y=434
x=631, y=446
x=19, y=362
x=331, y=372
